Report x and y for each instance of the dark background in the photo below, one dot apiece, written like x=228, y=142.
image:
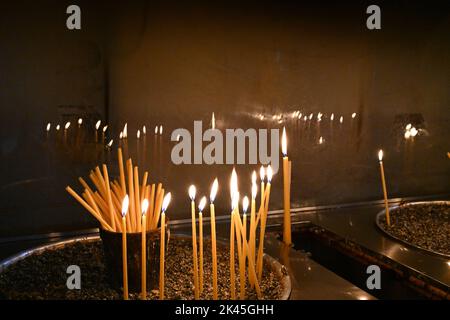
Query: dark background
x=172, y=62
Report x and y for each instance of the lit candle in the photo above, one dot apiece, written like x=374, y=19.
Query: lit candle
x=212, y=197
x=233, y=190
x=144, y=250
x=201, y=206
x=245, y=203
x=383, y=182
x=97, y=126
x=104, y=132
x=125, y=203
x=252, y=234
x=192, y=192
x=287, y=191
x=262, y=174
x=165, y=204
x=262, y=230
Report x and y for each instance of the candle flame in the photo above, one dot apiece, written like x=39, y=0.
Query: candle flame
x=300, y=115
x=138, y=134
x=269, y=173
x=413, y=132
x=57, y=127
x=202, y=204
x=144, y=206
x=407, y=134
x=156, y=130
x=48, y=126
x=284, y=143
x=408, y=126
x=235, y=200
x=160, y=130
x=192, y=192
x=125, y=130
x=262, y=173
x=233, y=183
x=321, y=140
x=213, y=121
x=305, y=118
x=110, y=143
x=245, y=204
x=311, y=115
x=253, y=177
x=125, y=204
x=353, y=115
x=380, y=155
x=144, y=130
x=332, y=117
x=214, y=188
x=105, y=128
x=67, y=125
x=254, y=190
x=341, y=119
x=166, y=202
x=97, y=124
x=120, y=135
x=80, y=121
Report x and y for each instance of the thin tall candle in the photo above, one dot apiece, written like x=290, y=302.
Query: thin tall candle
x=162, y=245
x=252, y=233
x=259, y=262
x=212, y=197
x=201, y=206
x=245, y=203
x=287, y=191
x=192, y=192
x=144, y=250
x=125, y=203
x=383, y=182
x=262, y=174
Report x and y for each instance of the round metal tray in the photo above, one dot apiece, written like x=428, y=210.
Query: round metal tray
x=277, y=267
x=382, y=213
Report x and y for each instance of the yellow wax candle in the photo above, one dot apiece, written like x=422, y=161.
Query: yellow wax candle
x=124, y=248
x=192, y=192
x=259, y=262
x=252, y=266
x=262, y=174
x=232, y=266
x=252, y=233
x=286, y=193
x=162, y=245
x=383, y=182
x=200, y=223
x=245, y=203
x=212, y=197
x=144, y=250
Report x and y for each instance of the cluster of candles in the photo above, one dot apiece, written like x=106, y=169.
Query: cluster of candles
x=142, y=208
x=242, y=232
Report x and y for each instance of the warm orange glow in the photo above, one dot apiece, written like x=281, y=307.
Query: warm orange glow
x=166, y=202
x=97, y=125
x=125, y=203
x=284, y=143
x=202, y=204
x=245, y=203
x=233, y=183
x=380, y=155
x=214, y=188
x=144, y=206
x=269, y=173
x=262, y=173
x=192, y=191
